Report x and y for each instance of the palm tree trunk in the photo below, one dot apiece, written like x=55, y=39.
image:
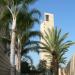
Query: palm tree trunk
x=18, y=64
x=12, y=46
x=56, y=68
x=55, y=63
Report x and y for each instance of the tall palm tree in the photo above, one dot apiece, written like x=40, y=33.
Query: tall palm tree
x=57, y=45
x=14, y=8
x=24, y=31
x=24, y=38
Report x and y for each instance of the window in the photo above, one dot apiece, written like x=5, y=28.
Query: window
x=47, y=17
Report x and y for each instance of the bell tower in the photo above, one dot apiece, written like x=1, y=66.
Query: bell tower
x=48, y=23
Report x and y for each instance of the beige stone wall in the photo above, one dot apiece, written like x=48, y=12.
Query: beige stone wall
x=62, y=71
x=70, y=69
x=4, y=64
x=45, y=25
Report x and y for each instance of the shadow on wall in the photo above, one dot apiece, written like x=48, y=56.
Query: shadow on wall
x=4, y=64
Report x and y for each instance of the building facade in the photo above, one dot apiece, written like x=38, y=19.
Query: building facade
x=4, y=63
x=4, y=56
x=48, y=23
x=70, y=69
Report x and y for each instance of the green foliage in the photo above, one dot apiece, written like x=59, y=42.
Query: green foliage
x=15, y=2
x=25, y=18
x=25, y=67
x=18, y=9
x=3, y=2
x=42, y=65
x=56, y=42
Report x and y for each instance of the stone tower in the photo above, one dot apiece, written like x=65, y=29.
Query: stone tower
x=48, y=23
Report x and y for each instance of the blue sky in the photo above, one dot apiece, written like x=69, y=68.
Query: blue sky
x=64, y=18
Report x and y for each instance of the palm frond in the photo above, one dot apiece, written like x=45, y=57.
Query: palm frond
x=63, y=37
x=35, y=12
x=55, y=42
x=34, y=33
x=26, y=58
x=3, y=2
x=29, y=1
x=41, y=44
x=63, y=60
x=26, y=50
x=4, y=39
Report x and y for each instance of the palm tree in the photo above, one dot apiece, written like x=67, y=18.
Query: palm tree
x=57, y=45
x=26, y=63
x=23, y=38
x=16, y=8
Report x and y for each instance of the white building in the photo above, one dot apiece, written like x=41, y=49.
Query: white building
x=48, y=23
